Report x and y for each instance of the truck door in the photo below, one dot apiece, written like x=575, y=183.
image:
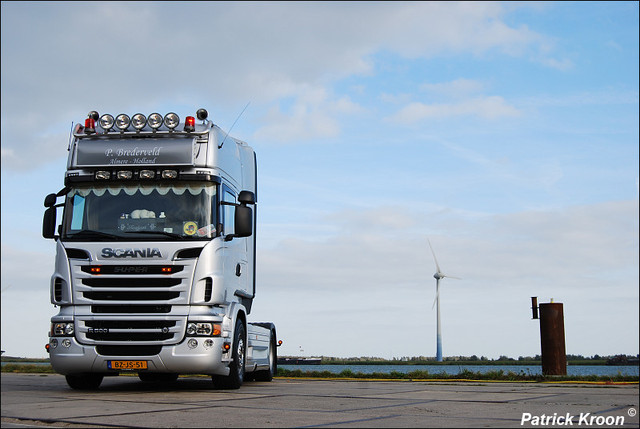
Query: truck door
x=235, y=258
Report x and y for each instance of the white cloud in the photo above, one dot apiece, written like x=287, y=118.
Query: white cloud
x=455, y=89
x=487, y=107
x=314, y=114
x=141, y=56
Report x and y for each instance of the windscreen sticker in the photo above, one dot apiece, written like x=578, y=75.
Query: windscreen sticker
x=206, y=231
x=190, y=228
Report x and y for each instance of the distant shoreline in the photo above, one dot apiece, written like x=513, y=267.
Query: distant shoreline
x=289, y=360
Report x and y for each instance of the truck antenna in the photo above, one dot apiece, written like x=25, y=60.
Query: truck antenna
x=70, y=137
x=232, y=125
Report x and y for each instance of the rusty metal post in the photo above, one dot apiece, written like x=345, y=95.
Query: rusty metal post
x=554, y=356
x=534, y=307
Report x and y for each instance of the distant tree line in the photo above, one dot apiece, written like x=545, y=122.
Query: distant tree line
x=503, y=359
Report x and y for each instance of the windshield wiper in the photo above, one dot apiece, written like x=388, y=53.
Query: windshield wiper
x=93, y=234
x=165, y=233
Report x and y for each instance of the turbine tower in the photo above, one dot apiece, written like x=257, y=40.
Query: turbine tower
x=438, y=275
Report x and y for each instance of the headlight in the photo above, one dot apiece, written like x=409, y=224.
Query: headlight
x=122, y=122
x=138, y=121
x=202, y=329
x=171, y=120
x=62, y=329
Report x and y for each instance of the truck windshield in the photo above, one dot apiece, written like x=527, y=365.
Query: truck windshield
x=180, y=211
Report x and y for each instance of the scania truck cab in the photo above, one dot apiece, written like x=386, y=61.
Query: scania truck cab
x=155, y=267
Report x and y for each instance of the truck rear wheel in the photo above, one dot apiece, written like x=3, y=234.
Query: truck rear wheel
x=236, y=367
x=84, y=381
x=268, y=374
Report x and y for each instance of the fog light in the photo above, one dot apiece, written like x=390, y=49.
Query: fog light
x=208, y=344
x=53, y=343
x=66, y=342
x=193, y=343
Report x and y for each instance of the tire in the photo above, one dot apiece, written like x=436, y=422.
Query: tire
x=157, y=377
x=84, y=381
x=238, y=358
x=268, y=374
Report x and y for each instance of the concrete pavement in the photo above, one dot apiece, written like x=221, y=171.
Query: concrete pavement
x=45, y=400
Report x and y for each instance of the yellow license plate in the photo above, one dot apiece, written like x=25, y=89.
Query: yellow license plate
x=127, y=364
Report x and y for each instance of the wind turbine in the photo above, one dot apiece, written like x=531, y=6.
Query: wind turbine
x=438, y=275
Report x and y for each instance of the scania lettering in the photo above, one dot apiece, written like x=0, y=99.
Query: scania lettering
x=155, y=267
x=131, y=253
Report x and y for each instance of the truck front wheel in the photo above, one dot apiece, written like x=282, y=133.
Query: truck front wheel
x=84, y=381
x=236, y=367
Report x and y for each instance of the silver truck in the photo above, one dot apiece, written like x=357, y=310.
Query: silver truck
x=155, y=269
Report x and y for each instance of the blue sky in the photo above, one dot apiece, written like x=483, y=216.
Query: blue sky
x=506, y=133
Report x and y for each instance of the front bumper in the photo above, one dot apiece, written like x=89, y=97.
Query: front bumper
x=179, y=358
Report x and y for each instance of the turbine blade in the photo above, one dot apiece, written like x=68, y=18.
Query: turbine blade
x=451, y=277
x=434, y=256
x=435, y=300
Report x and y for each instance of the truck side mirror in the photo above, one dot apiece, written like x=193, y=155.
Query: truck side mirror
x=49, y=222
x=247, y=197
x=50, y=200
x=244, y=214
x=244, y=221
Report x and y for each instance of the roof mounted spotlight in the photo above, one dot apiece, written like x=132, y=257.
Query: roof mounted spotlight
x=171, y=120
x=138, y=121
x=155, y=121
x=90, y=122
x=106, y=122
x=202, y=114
x=122, y=122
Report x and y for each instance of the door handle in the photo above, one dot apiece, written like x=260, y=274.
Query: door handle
x=238, y=270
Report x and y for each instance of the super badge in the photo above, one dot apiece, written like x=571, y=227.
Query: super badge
x=189, y=228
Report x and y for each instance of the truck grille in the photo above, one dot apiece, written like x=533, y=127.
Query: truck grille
x=129, y=330
x=131, y=282
x=105, y=285
x=130, y=296
x=115, y=331
x=131, y=306
x=133, y=309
